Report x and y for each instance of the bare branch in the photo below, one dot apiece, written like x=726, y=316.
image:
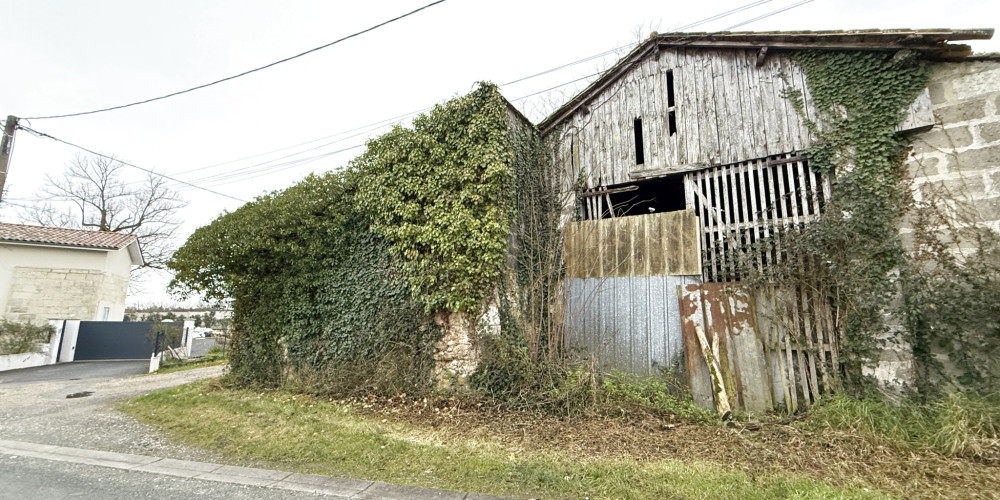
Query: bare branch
x=92, y=194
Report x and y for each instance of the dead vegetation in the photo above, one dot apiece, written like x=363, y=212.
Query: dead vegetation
x=758, y=448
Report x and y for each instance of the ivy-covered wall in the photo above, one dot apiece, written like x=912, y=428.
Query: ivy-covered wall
x=359, y=272
x=953, y=233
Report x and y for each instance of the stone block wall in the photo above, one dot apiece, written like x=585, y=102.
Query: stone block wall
x=958, y=159
x=955, y=171
x=38, y=294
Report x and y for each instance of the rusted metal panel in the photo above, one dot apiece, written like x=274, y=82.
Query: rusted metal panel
x=728, y=318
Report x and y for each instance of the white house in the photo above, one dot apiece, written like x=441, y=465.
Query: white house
x=54, y=273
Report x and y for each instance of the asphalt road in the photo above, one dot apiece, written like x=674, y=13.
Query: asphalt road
x=35, y=412
x=31, y=478
x=78, y=370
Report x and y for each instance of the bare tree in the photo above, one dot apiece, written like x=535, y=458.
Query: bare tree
x=93, y=194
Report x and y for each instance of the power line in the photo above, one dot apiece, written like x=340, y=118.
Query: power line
x=243, y=73
x=769, y=14
x=379, y=124
x=42, y=134
x=269, y=167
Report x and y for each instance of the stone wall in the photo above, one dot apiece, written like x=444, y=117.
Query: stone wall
x=958, y=160
x=955, y=170
x=38, y=294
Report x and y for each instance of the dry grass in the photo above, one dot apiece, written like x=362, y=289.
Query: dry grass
x=843, y=458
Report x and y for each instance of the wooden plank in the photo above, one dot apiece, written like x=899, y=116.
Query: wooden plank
x=724, y=189
x=814, y=188
x=803, y=191
x=793, y=193
x=686, y=96
x=695, y=365
x=814, y=350
x=656, y=256
x=689, y=187
x=746, y=237
x=720, y=100
x=707, y=138
x=753, y=193
x=690, y=235
x=786, y=339
x=834, y=346
x=571, y=250
x=769, y=97
x=639, y=257
x=753, y=104
x=623, y=249
x=711, y=224
x=648, y=93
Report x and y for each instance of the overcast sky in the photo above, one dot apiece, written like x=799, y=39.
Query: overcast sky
x=316, y=111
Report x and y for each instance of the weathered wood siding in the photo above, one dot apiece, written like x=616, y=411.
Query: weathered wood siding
x=621, y=282
x=664, y=244
x=727, y=108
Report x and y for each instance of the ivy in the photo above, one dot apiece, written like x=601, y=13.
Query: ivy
x=853, y=254
x=312, y=287
x=349, y=268
x=439, y=194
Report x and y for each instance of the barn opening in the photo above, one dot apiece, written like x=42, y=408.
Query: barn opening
x=657, y=195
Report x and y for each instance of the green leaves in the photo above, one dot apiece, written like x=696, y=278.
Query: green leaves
x=439, y=193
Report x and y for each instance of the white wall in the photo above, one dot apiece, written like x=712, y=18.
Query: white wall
x=39, y=283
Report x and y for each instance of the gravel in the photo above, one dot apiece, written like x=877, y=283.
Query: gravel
x=34, y=407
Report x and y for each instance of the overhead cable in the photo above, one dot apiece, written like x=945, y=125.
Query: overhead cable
x=152, y=172
x=243, y=73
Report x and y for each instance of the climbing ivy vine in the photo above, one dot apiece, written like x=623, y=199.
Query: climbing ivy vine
x=342, y=274
x=853, y=254
x=439, y=193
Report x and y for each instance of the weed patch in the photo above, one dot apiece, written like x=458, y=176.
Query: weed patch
x=441, y=443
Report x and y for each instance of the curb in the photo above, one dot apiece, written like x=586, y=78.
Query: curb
x=339, y=488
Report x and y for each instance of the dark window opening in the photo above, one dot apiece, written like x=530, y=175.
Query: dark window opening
x=672, y=122
x=662, y=194
x=670, y=88
x=640, y=156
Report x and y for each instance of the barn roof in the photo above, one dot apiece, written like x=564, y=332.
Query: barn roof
x=934, y=43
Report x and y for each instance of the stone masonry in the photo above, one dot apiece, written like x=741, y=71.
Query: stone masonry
x=39, y=294
x=959, y=158
x=955, y=165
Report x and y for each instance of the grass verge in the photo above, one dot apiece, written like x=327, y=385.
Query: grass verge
x=305, y=434
x=212, y=358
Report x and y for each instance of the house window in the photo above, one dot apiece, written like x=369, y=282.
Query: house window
x=640, y=155
x=105, y=313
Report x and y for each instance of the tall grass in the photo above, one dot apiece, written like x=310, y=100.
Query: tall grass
x=959, y=424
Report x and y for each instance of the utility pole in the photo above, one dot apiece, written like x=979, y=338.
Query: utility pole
x=6, y=143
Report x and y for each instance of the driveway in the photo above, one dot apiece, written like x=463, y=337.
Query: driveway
x=34, y=406
x=78, y=370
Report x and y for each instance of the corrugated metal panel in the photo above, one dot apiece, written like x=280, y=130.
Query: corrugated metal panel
x=631, y=324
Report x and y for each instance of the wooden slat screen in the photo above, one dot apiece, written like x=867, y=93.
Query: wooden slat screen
x=749, y=202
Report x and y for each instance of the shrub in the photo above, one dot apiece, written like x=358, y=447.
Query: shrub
x=19, y=338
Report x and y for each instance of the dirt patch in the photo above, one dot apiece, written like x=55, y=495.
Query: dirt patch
x=758, y=449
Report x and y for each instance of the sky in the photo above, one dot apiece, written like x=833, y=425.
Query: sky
x=268, y=130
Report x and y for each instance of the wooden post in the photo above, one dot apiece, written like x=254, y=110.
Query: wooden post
x=6, y=143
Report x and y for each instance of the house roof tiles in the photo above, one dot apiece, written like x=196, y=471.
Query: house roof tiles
x=17, y=233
